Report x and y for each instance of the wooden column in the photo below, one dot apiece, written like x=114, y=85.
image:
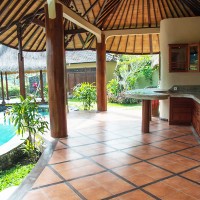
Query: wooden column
x=2, y=90
x=145, y=115
x=56, y=72
x=7, y=93
x=21, y=62
x=41, y=87
x=101, y=75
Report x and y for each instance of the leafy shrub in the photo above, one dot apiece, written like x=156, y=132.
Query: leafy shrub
x=113, y=87
x=14, y=91
x=85, y=92
x=26, y=118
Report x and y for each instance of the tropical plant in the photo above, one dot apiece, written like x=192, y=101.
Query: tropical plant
x=46, y=92
x=127, y=73
x=26, y=119
x=85, y=92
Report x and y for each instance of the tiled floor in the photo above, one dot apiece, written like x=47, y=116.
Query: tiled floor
x=107, y=157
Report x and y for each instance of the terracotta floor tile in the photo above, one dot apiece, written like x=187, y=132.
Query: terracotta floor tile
x=145, y=152
x=160, y=189
x=93, y=149
x=123, y=143
x=178, y=196
x=141, y=173
x=171, y=145
x=71, y=170
x=59, y=145
x=57, y=192
x=184, y=186
x=157, y=173
x=140, y=179
x=100, y=186
x=170, y=133
x=64, y=155
x=46, y=177
x=114, y=141
x=115, y=159
x=77, y=141
x=182, y=129
x=147, y=138
x=104, y=137
x=174, y=163
x=193, y=174
x=95, y=192
x=135, y=195
x=190, y=139
x=193, y=153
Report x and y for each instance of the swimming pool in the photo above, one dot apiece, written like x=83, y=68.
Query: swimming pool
x=7, y=130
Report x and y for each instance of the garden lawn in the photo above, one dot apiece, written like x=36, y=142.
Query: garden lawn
x=78, y=104
x=14, y=176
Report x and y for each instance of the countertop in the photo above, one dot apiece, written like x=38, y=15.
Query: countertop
x=148, y=94
x=159, y=94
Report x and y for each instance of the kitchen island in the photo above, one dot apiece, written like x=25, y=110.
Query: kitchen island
x=184, y=104
x=146, y=95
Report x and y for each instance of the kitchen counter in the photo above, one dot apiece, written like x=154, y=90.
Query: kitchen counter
x=193, y=95
x=146, y=95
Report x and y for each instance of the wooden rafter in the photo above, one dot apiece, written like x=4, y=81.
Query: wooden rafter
x=123, y=19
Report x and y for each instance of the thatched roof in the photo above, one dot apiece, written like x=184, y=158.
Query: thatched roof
x=104, y=14
x=34, y=61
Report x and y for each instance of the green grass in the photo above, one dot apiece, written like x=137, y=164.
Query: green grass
x=77, y=103
x=14, y=176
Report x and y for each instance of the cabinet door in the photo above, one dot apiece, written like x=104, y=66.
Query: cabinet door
x=196, y=117
x=180, y=111
x=193, y=51
x=178, y=57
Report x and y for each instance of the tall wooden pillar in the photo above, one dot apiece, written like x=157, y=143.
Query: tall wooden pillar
x=7, y=93
x=21, y=62
x=2, y=90
x=56, y=72
x=41, y=87
x=101, y=75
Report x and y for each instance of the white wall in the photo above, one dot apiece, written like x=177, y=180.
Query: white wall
x=176, y=31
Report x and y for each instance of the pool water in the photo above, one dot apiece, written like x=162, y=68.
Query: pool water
x=6, y=133
x=7, y=130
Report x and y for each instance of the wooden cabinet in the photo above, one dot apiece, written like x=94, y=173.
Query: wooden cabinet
x=178, y=59
x=196, y=117
x=180, y=111
x=184, y=57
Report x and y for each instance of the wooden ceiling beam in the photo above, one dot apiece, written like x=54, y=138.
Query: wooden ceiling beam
x=28, y=5
x=8, y=3
x=40, y=42
x=84, y=9
x=79, y=21
x=8, y=13
x=100, y=12
x=27, y=17
x=91, y=8
x=38, y=22
x=123, y=12
x=155, y=16
x=139, y=31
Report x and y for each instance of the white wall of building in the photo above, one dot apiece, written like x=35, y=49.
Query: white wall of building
x=176, y=31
